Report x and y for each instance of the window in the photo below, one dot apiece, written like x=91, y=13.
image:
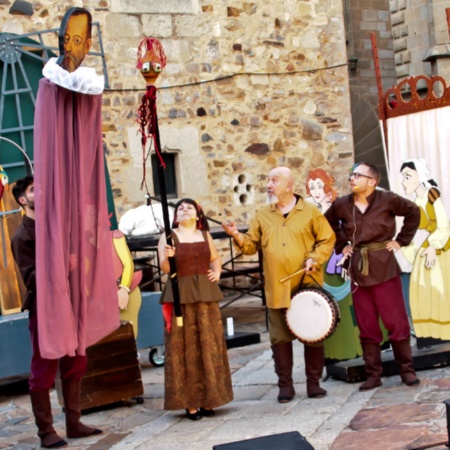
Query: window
x=169, y=174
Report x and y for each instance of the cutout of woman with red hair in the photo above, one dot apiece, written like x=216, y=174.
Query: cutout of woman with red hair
x=344, y=343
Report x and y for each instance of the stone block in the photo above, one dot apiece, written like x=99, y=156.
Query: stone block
x=398, y=18
x=155, y=6
x=369, y=15
x=401, y=4
x=192, y=26
x=385, y=54
x=402, y=71
x=393, y=5
x=124, y=25
x=384, y=16
x=400, y=44
x=21, y=8
x=159, y=26
x=368, y=26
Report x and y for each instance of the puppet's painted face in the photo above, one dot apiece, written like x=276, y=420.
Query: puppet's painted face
x=151, y=67
x=410, y=180
x=316, y=189
x=76, y=42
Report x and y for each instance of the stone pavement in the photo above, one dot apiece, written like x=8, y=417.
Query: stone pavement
x=392, y=417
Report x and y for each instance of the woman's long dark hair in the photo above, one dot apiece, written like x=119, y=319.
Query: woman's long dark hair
x=202, y=222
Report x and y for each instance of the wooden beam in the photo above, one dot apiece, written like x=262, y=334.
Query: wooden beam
x=381, y=105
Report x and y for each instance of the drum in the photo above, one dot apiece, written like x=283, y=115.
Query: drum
x=313, y=315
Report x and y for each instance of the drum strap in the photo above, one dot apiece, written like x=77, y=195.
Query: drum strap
x=363, y=264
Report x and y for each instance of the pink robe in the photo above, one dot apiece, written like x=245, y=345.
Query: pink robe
x=77, y=301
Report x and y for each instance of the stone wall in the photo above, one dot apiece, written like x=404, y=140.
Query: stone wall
x=421, y=38
x=365, y=17
x=248, y=86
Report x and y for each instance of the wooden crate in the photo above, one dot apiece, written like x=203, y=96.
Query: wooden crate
x=113, y=373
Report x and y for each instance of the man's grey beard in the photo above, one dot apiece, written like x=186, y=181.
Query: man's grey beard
x=272, y=199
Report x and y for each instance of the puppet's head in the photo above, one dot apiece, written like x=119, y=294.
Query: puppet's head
x=151, y=59
x=74, y=38
x=3, y=181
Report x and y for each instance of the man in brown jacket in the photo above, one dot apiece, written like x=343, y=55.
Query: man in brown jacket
x=365, y=227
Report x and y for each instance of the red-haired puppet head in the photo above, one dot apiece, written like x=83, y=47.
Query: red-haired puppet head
x=151, y=59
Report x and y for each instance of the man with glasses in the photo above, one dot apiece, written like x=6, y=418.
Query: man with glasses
x=365, y=227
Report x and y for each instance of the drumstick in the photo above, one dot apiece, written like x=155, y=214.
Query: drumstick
x=292, y=275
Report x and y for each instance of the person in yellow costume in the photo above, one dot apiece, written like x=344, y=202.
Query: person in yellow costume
x=128, y=291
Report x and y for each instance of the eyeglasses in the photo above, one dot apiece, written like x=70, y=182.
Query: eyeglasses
x=356, y=175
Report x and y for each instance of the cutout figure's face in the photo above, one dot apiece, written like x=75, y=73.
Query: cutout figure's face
x=410, y=180
x=316, y=189
x=76, y=42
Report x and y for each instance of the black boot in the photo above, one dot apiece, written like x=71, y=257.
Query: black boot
x=372, y=365
x=71, y=394
x=314, y=364
x=40, y=403
x=403, y=357
x=283, y=358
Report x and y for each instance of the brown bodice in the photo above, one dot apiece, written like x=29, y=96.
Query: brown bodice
x=192, y=258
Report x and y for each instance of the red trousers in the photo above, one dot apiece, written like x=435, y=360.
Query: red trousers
x=43, y=371
x=383, y=300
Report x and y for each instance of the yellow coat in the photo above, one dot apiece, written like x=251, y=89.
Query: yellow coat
x=286, y=244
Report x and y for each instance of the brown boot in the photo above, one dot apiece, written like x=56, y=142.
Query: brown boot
x=71, y=394
x=40, y=403
x=373, y=365
x=283, y=358
x=314, y=364
x=403, y=357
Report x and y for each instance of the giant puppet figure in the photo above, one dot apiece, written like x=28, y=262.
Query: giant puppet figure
x=76, y=288
x=151, y=61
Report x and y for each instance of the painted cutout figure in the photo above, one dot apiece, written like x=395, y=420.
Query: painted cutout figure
x=320, y=189
x=344, y=343
x=3, y=182
x=129, y=294
x=429, y=290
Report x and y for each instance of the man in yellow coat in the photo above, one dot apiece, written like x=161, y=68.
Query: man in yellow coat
x=292, y=234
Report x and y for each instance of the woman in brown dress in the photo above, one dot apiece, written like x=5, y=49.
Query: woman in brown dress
x=196, y=368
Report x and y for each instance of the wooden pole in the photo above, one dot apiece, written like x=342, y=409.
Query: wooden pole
x=173, y=278
x=381, y=105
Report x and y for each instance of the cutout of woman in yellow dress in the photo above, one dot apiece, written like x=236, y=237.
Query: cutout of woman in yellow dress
x=429, y=289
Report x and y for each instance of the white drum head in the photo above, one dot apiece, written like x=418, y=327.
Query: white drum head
x=310, y=316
